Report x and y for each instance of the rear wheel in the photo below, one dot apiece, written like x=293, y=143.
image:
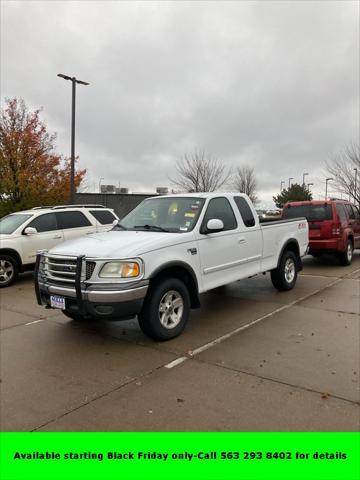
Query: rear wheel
x=9, y=270
x=284, y=277
x=346, y=256
x=166, y=309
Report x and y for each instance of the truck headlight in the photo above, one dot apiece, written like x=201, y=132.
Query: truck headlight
x=120, y=270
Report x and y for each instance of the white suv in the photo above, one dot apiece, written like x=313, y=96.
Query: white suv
x=22, y=234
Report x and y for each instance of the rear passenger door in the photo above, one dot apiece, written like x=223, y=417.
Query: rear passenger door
x=48, y=235
x=74, y=224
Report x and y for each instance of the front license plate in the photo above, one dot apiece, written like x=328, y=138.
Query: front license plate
x=57, y=302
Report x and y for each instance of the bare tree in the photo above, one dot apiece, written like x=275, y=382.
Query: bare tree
x=345, y=170
x=245, y=182
x=199, y=172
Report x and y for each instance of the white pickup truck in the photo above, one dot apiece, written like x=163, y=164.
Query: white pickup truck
x=157, y=260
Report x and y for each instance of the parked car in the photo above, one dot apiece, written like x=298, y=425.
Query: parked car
x=334, y=226
x=163, y=254
x=23, y=233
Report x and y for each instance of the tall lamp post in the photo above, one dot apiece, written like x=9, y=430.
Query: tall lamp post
x=291, y=178
x=355, y=186
x=326, y=186
x=304, y=174
x=74, y=81
x=281, y=185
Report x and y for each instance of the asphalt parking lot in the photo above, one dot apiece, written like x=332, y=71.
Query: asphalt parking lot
x=251, y=359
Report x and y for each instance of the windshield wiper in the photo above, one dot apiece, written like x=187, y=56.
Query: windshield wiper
x=152, y=227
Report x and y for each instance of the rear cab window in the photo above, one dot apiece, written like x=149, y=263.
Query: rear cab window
x=104, y=217
x=245, y=211
x=312, y=213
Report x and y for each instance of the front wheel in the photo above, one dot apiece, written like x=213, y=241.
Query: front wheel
x=284, y=277
x=9, y=270
x=166, y=309
x=346, y=256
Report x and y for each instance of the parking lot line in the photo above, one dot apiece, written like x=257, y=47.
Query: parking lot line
x=35, y=321
x=176, y=362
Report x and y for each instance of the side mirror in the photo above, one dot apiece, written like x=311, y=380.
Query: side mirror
x=30, y=231
x=115, y=222
x=214, y=225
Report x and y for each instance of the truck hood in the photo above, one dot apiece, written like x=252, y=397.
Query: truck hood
x=118, y=244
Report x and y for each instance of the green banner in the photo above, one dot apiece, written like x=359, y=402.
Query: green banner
x=210, y=456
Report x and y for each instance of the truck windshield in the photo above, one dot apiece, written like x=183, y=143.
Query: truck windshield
x=312, y=213
x=167, y=214
x=10, y=223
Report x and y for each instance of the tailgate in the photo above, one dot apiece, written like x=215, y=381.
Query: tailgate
x=319, y=230
x=314, y=229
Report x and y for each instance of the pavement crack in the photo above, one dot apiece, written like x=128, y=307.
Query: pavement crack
x=94, y=399
x=273, y=380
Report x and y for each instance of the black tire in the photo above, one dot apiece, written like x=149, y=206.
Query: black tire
x=284, y=277
x=345, y=257
x=168, y=326
x=9, y=270
x=73, y=316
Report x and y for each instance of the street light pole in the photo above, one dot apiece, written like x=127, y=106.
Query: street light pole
x=291, y=178
x=304, y=174
x=326, y=185
x=74, y=81
x=281, y=185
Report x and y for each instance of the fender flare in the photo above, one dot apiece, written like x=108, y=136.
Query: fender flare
x=293, y=243
x=195, y=300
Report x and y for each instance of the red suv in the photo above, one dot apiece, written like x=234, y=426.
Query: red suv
x=334, y=226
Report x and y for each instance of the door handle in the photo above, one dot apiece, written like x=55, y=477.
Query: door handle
x=57, y=237
x=242, y=240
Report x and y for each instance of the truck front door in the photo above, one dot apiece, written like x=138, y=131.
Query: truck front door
x=219, y=252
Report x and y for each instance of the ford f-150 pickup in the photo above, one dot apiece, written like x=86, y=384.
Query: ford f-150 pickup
x=157, y=260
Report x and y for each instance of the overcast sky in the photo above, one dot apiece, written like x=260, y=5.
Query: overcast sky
x=271, y=84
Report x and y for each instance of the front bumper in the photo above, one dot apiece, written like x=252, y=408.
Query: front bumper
x=112, y=301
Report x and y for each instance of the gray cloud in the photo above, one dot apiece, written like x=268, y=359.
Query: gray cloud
x=273, y=84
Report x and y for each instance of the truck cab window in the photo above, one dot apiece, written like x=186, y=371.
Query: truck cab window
x=245, y=211
x=221, y=209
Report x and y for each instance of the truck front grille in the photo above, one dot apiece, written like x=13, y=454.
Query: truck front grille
x=62, y=270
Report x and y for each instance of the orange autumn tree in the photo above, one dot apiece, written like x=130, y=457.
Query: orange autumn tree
x=31, y=173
